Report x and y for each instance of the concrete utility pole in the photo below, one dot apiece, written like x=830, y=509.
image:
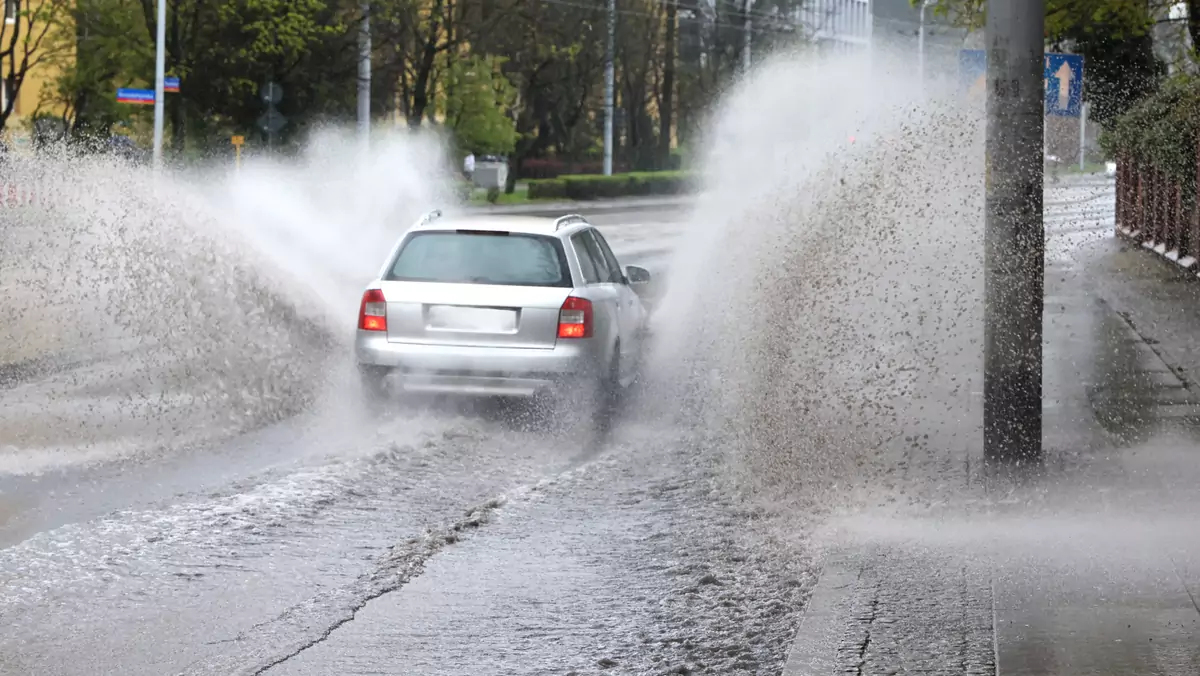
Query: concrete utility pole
x=160, y=71
x=364, y=76
x=1014, y=249
x=610, y=83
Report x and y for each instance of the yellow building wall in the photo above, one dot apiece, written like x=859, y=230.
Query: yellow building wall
x=39, y=81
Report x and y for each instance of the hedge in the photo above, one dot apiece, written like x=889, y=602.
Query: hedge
x=1161, y=130
x=537, y=168
x=590, y=187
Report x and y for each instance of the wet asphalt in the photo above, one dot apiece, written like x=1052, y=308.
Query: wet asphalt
x=451, y=540
x=448, y=538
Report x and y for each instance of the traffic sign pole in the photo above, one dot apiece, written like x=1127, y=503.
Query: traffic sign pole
x=160, y=67
x=271, y=121
x=237, y=142
x=1014, y=248
x=1083, y=117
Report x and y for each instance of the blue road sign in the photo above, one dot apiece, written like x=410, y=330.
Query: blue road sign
x=170, y=84
x=137, y=96
x=1063, y=75
x=972, y=70
x=1064, y=84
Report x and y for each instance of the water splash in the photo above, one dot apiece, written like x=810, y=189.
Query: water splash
x=829, y=288
x=189, y=306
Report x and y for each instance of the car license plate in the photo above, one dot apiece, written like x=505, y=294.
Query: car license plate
x=475, y=319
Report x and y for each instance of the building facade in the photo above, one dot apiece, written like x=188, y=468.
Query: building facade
x=838, y=26
x=38, y=79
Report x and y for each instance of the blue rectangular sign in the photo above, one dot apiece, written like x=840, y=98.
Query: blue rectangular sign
x=1062, y=73
x=139, y=96
x=170, y=84
x=1064, y=84
x=972, y=71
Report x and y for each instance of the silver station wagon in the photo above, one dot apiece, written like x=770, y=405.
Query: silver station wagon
x=502, y=306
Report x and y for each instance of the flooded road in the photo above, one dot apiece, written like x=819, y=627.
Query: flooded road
x=189, y=483
x=230, y=558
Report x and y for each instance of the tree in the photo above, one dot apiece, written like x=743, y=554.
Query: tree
x=478, y=100
x=102, y=53
x=1120, y=61
x=1120, y=17
x=666, y=97
x=641, y=29
x=26, y=43
x=555, y=59
x=223, y=50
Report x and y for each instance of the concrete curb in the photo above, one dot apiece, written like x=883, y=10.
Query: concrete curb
x=600, y=206
x=815, y=647
x=876, y=612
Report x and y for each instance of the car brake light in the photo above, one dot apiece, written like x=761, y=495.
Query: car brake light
x=372, y=315
x=575, y=318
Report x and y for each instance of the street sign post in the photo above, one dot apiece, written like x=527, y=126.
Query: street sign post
x=272, y=121
x=272, y=93
x=140, y=97
x=238, y=142
x=1062, y=75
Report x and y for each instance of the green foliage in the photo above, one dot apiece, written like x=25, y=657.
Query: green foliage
x=1161, y=130
x=478, y=100
x=250, y=34
x=1109, y=18
x=1119, y=72
x=501, y=77
x=233, y=46
x=636, y=184
x=102, y=54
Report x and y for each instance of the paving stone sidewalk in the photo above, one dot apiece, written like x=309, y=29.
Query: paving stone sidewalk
x=1082, y=567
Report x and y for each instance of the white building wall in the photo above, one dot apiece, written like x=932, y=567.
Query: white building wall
x=838, y=25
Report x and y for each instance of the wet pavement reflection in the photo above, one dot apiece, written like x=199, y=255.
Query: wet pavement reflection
x=1102, y=568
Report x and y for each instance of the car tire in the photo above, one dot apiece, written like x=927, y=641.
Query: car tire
x=609, y=392
x=373, y=380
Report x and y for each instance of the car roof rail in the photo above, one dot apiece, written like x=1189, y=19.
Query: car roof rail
x=429, y=217
x=570, y=219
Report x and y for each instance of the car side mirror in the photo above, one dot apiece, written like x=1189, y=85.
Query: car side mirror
x=637, y=276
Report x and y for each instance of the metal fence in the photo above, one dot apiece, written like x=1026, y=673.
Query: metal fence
x=1158, y=212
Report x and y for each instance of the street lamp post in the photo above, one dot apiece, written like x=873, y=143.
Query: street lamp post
x=921, y=48
x=609, y=85
x=364, y=75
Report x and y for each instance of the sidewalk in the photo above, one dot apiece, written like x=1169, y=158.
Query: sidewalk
x=1093, y=565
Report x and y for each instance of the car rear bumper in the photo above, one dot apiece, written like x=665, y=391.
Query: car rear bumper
x=466, y=370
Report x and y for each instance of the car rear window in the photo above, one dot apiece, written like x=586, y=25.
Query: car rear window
x=472, y=257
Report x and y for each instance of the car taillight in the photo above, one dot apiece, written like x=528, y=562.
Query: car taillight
x=372, y=315
x=575, y=318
